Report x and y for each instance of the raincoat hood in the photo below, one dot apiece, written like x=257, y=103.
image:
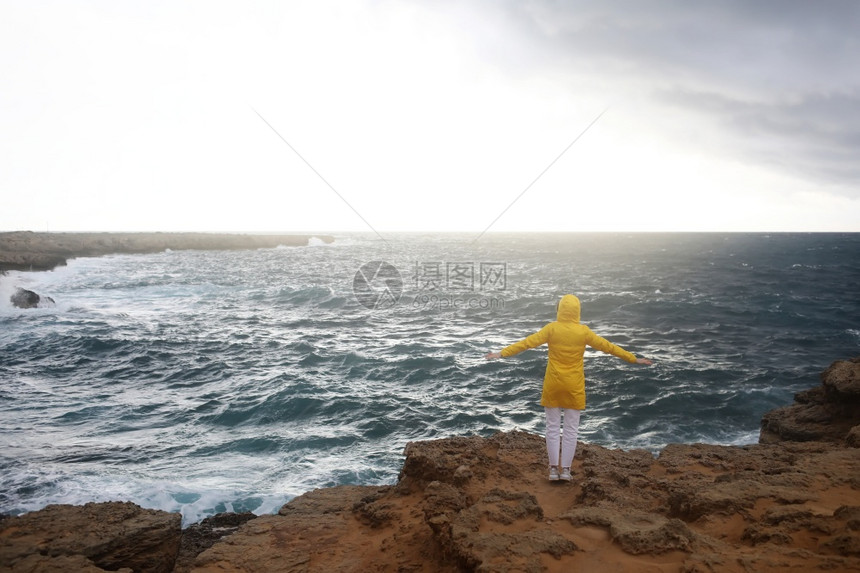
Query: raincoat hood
x=568, y=309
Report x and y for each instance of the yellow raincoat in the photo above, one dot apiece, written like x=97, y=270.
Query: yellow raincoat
x=564, y=381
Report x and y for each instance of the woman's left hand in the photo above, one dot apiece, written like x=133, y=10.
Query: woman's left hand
x=644, y=361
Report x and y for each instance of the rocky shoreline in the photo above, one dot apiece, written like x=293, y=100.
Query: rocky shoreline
x=789, y=503
x=29, y=251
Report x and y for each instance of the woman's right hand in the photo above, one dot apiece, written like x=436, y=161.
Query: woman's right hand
x=492, y=355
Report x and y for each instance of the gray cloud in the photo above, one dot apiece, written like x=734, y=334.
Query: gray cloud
x=780, y=79
x=815, y=135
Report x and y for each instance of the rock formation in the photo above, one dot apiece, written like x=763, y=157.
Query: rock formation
x=201, y=536
x=475, y=504
x=829, y=412
x=23, y=298
x=112, y=536
x=484, y=504
x=28, y=251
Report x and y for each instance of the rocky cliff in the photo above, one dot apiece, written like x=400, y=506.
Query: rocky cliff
x=484, y=504
x=112, y=536
x=829, y=412
x=28, y=251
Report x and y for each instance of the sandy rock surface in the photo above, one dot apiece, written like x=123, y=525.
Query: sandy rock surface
x=94, y=537
x=475, y=504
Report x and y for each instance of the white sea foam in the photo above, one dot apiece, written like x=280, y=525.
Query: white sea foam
x=339, y=241
x=743, y=439
x=7, y=289
x=193, y=503
x=343, y=241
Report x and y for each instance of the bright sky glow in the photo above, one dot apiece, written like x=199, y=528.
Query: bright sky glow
x=429, y=115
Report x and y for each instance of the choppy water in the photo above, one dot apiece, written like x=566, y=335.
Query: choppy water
x=208, y=381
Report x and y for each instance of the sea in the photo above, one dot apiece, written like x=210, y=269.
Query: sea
x=207, y=381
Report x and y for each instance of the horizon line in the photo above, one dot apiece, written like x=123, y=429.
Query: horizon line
x=439, y=232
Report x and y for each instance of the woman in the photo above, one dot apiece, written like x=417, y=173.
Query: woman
x=564, y=381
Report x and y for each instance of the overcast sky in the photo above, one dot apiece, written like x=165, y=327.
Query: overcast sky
x=430, y=115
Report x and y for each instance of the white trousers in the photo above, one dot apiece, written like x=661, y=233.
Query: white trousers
x=567, y=439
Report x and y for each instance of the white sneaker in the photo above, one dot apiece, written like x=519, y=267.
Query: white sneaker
x=553, y=473
x=565, y=474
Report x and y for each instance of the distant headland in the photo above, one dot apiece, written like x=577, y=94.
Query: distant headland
x=30, y=251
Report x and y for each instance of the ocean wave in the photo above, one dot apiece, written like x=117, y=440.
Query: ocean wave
x=201, y=382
